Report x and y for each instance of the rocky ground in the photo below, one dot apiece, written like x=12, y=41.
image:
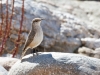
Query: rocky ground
x=70, y=26
x=55, y=63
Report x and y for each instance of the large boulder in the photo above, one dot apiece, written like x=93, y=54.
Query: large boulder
x=63, y=31
x=55, y=63
x=51, y=26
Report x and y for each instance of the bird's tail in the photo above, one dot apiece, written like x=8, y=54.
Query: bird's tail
x=23, y=52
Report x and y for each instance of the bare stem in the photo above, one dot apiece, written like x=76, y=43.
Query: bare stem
x=1, y=18
x=5, y=37
x=20, y=31
x=11, y=18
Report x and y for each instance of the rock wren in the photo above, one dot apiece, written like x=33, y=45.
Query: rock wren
x=35, y=36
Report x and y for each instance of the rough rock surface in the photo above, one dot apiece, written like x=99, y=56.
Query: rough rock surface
x=3, y=71
x=55, y=63
x=7, y=62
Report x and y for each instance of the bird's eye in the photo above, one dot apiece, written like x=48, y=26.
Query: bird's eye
x=36, y=21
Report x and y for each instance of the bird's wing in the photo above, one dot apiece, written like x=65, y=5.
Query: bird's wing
x=29, y=39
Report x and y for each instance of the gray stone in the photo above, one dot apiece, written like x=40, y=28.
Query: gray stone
x=54, y=63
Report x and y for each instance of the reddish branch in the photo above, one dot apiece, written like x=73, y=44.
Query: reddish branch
x=5, y=34
x=10, y=24
x=20, y=31
x=1, y=18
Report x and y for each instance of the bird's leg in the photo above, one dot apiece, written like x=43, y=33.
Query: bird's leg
x=35, y=50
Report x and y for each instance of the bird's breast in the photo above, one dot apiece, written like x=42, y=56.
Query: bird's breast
x=37, y=39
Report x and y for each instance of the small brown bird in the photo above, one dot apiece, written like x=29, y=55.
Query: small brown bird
x=35, y=36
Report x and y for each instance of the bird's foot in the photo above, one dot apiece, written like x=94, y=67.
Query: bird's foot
x=35, y=51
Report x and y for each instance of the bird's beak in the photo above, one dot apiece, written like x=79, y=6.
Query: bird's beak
x=42, y=19
x=64, y=21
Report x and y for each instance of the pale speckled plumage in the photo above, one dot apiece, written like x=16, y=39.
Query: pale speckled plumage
x=35, y=36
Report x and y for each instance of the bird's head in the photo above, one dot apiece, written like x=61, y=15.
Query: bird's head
x=36, y=21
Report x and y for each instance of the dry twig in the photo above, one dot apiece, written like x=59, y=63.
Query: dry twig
x=20, y=31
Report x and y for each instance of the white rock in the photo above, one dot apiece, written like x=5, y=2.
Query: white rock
x=86, y=51
x=54, y=63
x=92, y=43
